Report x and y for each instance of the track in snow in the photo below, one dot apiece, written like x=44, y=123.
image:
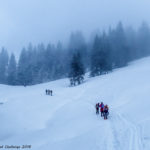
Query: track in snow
x=125, y=135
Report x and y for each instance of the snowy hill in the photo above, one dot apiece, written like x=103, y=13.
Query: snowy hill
x=67, y=120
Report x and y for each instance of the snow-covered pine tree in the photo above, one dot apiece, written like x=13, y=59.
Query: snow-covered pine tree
x=95, y=57
x=78, y=43
x=143, y=40
x=76, y=74
x=119, y=46
x=12, y=70
x=22, y=67
x=101, y=56
x=3, y=65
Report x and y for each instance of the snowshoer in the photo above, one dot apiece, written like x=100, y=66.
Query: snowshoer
x=106, y=111
x=51, y=92
x=102, y=109
x=97, y=108
x=46, y=91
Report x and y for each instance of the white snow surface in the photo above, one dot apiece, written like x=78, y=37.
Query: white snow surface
x=67, y=120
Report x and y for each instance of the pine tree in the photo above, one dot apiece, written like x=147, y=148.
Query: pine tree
x=22, y=68
x=101, y=61
x=95, y=57
x=77, y=44
x=77, y=71
x=3, y=65
x=143, y=40
x=119, y=46
x=132, y=43
x=11, y=79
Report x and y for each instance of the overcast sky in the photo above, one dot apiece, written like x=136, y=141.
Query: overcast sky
x=24, y=21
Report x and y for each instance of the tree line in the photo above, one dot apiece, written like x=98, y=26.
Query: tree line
x=100, y=55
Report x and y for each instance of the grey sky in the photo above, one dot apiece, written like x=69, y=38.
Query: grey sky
x=24, y=21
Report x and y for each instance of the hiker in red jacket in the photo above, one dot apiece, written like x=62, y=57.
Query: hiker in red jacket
x=102, y=109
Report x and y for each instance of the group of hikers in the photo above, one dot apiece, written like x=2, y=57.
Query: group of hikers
x=49, y=92
x=103, y=109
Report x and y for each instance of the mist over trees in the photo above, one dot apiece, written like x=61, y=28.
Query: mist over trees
x=100, y=55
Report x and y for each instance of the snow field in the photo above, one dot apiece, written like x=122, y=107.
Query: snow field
x=67, y=120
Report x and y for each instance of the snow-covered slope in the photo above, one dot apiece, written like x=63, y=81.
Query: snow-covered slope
x=67, y=120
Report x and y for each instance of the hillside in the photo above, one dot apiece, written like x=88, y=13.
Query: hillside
x=67, y=120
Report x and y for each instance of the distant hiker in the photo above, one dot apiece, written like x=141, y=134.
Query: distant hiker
x=106, y=111
x=46, y=91
x=102, y=109
x=51, y=92
x=71, y=82
x=97, y=108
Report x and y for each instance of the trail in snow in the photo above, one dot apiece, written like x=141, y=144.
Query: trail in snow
x=125, y=134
